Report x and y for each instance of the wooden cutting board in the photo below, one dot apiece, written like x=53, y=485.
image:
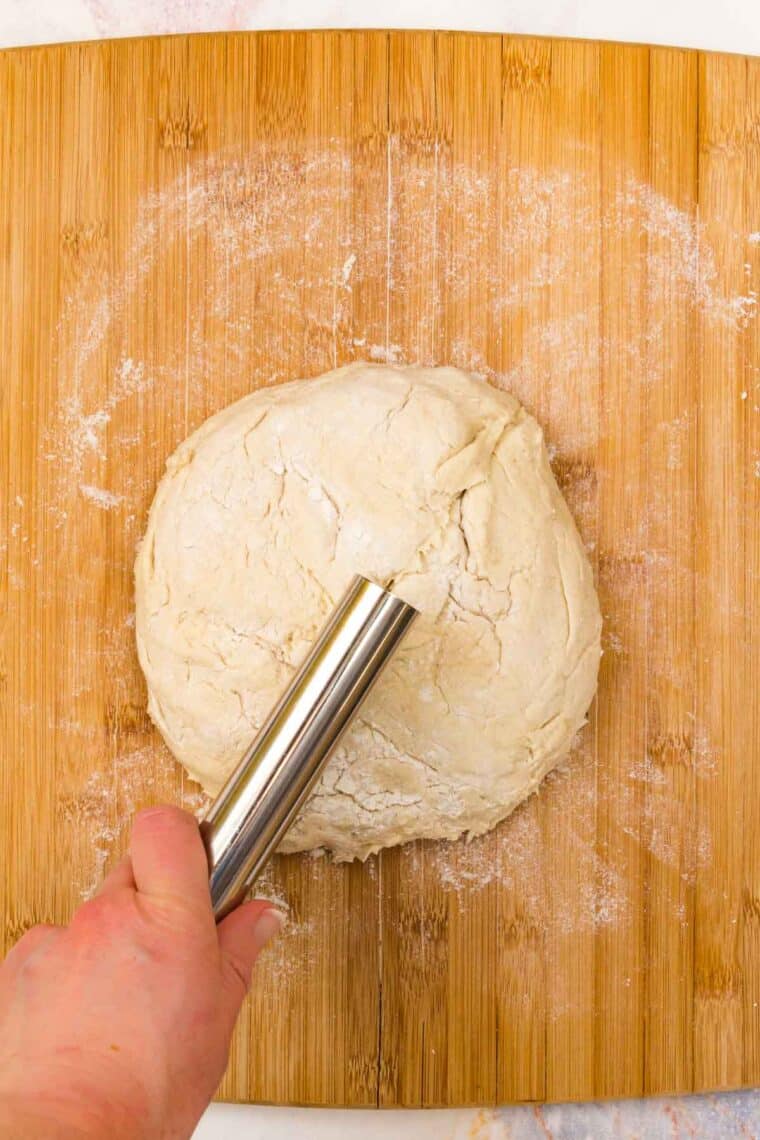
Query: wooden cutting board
x=182, y=220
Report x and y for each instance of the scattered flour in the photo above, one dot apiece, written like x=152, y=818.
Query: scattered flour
x=103, y=499
x=110, y=797
x=79, y=435
x=347, y=270
x=678, y=256
x=280, y=227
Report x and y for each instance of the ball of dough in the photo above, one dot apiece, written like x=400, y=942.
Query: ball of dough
x=425, y=477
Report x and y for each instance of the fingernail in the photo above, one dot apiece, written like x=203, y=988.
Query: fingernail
x=270, y=924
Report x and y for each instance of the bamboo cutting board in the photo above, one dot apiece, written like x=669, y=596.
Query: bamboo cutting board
x=184, y=219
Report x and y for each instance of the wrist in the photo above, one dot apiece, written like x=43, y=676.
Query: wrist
x=69, y=1114
x=39, y=1119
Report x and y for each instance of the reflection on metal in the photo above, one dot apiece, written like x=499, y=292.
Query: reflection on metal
x=260, y=800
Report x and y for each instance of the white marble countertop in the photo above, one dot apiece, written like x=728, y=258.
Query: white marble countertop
x=733, y=25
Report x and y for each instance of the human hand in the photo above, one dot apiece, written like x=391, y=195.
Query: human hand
x=119, y=1024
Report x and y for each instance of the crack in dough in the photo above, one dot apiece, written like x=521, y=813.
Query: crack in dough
x=431, y=480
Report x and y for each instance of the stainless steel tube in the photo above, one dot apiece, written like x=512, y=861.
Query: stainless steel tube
x=259, y=801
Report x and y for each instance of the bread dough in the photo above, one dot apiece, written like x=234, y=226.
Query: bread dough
x=426, y=478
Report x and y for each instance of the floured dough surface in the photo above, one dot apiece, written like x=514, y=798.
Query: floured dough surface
x=431, y=479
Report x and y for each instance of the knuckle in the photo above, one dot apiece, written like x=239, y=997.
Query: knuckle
x=172, y=916
x=171, y=922
x=237, y=974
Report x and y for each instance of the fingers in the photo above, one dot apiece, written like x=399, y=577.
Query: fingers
x=243, y=935
x=168, y=857
x=119, y=878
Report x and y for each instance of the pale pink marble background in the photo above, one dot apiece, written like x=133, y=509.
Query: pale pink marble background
x=731, y=25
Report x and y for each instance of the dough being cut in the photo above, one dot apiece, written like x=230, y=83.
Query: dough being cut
x=427, y=478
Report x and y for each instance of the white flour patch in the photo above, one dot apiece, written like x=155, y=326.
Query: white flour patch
x=347, y=270
x=77, y=440
x=106, y=500
x=386, y=354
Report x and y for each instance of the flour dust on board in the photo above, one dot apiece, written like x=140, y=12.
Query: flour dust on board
x=278, y=264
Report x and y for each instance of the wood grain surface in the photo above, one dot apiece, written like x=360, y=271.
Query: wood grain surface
x=184, y=219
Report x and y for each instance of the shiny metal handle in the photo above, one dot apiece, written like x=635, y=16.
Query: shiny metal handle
x=260, y=800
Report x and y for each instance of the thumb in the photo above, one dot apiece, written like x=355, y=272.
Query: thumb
x=244, y=934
